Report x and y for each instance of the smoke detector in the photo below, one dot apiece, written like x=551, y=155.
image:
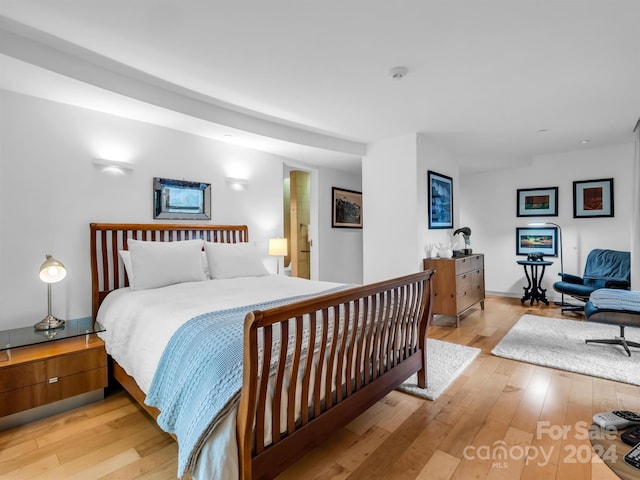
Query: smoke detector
x=397, y=73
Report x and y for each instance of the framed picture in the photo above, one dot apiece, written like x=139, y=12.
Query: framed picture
x=538, y=202
x=181, y=199
x=346, y=207
x=440, y=203
x=537, y=240
x=593, y=198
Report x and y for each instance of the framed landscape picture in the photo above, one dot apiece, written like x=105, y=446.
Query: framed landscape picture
x=440, y=202
x=537, y=202
x=346, y=206
x=537, y=240
x=593, y=198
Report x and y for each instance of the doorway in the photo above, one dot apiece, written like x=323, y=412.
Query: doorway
x=297, y=222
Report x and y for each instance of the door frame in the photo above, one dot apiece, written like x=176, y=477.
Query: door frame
x=314, y=261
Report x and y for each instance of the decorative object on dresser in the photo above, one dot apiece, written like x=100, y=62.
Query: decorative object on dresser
x=458, y=284
x=51, y=271
x=37, y=368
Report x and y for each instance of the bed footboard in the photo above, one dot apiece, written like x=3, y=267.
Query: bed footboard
x=313, y=366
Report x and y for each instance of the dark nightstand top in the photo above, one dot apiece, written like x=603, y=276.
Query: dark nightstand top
x=22, y=337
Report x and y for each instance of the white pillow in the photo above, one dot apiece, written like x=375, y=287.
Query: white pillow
x=157, y=264
x=229, y=260
x=126, y=260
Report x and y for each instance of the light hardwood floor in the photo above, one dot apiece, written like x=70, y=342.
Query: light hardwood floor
x=402, y=437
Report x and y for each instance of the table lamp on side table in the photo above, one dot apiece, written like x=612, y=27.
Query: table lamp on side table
x=51, y=271
x=278, y=248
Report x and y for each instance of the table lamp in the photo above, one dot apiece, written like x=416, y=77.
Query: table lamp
x=278, y=248
x=51, y=271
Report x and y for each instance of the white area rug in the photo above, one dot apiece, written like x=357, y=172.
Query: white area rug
x=558, y=343
x=445, y=362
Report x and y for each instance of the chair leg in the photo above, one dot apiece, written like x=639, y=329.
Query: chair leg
x=617, y=341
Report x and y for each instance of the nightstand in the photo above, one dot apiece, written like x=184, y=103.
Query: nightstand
x=41, y=367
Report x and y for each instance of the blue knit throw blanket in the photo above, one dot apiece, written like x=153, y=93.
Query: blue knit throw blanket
x=199, y=376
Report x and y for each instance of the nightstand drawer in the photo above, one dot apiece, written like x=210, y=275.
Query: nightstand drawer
x=65, y=365
x=23, y=375
x=31, y=396
x=44, y=373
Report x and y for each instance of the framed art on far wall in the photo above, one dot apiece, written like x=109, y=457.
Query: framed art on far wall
x=537, y=202
x=346, y=208
x=440, y=202
x=593, y=198
x=537, y=240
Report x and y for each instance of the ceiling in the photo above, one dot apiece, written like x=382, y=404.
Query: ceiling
x=496, y=81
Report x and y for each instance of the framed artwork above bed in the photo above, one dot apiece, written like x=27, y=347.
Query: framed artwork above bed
x=181, y=200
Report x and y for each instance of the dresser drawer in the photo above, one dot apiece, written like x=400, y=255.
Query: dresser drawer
x=469, y=289
x=467, y=264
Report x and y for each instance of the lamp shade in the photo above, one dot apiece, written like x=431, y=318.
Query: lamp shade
x=278, y=247
x=52, y=270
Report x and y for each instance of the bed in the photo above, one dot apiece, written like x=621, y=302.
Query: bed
x=310, y=362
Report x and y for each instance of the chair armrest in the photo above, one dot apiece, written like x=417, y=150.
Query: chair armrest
x=567, y=277
x=623, y=284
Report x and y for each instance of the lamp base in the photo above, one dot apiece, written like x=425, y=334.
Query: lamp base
x=49, y=323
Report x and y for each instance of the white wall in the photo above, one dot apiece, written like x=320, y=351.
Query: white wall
x=433, y=156
x=394, y=177
x=339, y=248
x=489, y=207
x=50, y=192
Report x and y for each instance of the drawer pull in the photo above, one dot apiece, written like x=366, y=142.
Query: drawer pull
x=53, y=380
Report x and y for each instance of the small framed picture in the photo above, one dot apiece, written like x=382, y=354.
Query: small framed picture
x=538, y=202
x=346, y=207
x=593, y=198
x=181, y=199
x=537, y=240
x=440, y=202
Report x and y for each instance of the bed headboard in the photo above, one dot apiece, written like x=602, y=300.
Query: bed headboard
x=107, y=272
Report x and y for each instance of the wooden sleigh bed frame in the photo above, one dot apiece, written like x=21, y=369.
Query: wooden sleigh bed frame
x=369, y=339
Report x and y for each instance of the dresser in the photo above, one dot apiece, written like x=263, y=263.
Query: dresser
x=458, y=284
x=38, y=368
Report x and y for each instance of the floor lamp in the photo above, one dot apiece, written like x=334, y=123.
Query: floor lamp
x=562, y=303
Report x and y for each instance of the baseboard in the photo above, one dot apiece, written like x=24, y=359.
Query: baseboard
x=28, y=416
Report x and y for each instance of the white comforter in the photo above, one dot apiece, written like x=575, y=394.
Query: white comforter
x=140, y=323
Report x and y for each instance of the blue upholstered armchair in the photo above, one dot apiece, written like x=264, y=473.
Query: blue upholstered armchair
x=603, y=269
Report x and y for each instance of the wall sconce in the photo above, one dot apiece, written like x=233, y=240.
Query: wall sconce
x=115, y=166
x=51, y=271
x=237, y=183
x=278, y=248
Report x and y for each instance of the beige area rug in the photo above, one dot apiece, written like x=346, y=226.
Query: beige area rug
x=559, y=343
x=445, y=362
